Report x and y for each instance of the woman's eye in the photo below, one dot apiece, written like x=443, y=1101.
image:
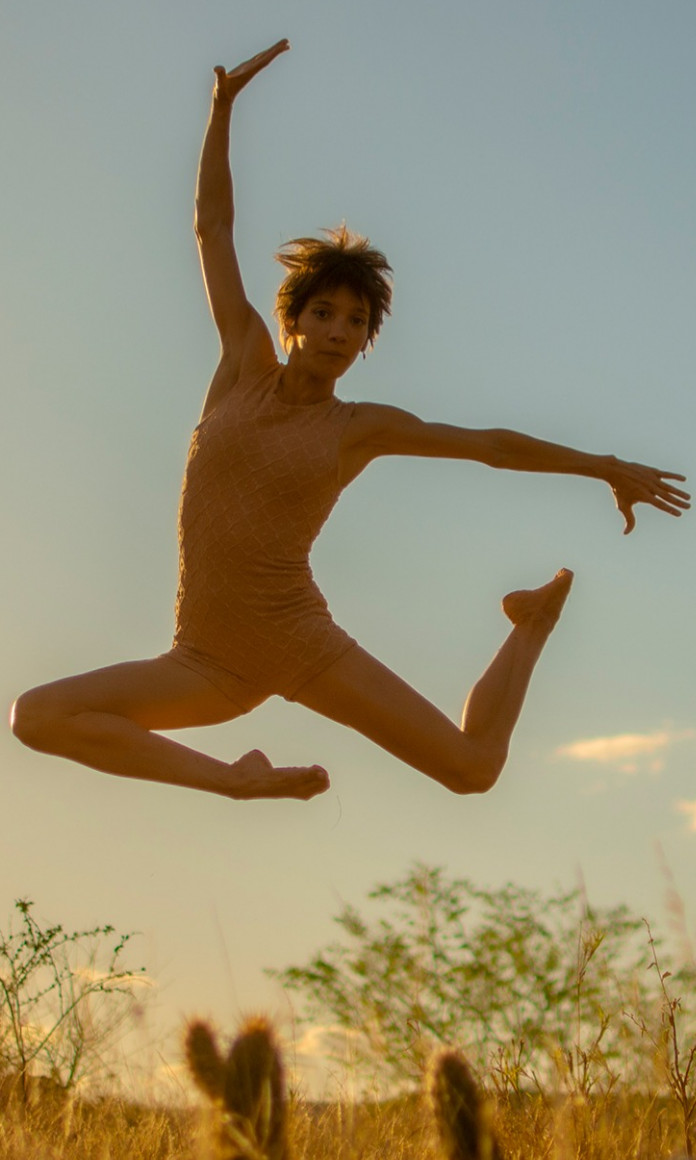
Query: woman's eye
x=321, y=313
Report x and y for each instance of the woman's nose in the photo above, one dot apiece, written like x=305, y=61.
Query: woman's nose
x=338, y=330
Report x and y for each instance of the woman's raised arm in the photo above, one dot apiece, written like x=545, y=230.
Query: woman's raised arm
x=244, y=336
x=382, y=430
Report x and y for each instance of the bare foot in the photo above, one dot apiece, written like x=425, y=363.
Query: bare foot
x=539, y=605
x=255, y=777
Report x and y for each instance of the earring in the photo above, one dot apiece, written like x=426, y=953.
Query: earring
x=364, y=355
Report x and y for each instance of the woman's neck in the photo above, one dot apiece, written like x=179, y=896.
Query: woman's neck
x=301, y=384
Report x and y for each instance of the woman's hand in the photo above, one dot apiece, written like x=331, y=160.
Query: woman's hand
x=634, y=483
x=229, y=84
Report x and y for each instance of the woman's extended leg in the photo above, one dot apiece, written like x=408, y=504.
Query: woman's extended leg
x=105, y=719
x=360, y=692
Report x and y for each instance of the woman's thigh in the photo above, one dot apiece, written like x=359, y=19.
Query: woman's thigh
x=159, y=693
x=359, y=691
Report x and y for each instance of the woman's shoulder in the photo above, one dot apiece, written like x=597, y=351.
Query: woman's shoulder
x=258, y=374
x=368, y=418
x=227, y=385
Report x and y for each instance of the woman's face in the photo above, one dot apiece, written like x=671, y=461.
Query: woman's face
x=331, y=330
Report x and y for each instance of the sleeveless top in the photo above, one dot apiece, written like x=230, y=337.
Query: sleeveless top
x=260, y=481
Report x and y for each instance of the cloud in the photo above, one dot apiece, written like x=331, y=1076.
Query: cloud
x=625, y=749
x=688, y=808
x=320, y=1040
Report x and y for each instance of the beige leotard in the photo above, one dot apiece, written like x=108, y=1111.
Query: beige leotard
x=260, y=481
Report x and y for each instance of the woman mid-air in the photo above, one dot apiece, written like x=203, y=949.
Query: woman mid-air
x=267, y=462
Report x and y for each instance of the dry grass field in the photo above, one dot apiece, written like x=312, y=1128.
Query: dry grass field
x=531, y=1127
x=247, y=1115
x=574, y=1101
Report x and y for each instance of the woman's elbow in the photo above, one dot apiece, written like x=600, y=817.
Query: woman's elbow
x=209, y=225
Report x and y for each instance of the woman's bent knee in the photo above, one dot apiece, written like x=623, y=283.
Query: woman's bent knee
x=477, y=773
x=34, y=720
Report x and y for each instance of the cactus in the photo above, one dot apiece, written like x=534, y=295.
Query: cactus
x=248, y=1086
x=461, y=1115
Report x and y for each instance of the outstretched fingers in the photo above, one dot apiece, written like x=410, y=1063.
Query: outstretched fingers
x=668, y=498
x=634, y=483
x=671, y=494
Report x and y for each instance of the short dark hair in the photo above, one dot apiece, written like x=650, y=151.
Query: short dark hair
x=341, y=259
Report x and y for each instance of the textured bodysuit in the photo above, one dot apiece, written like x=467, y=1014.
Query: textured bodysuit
x=260, y=481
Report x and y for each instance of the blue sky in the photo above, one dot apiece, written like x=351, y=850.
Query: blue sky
x=529, y=170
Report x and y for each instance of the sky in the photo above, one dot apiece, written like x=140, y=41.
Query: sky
x=529, y=170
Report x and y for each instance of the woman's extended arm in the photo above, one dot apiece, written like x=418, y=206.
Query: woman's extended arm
x=243, y=334
x=380, y=430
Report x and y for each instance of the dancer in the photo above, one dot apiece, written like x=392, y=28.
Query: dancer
x=267, y=462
